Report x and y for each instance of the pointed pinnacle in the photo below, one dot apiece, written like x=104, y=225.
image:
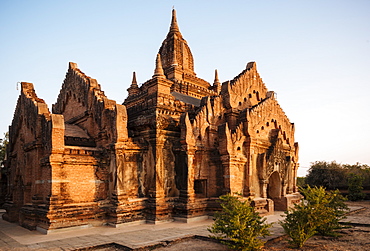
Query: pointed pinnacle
x=134, y=82
x=174, y=26
x=216, y=81
x=158, y=72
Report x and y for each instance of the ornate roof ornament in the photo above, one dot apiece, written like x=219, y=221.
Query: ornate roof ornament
x=174, y=26
x=134, y=88
x=216, y=81
x=158, y=72
x=134, y=82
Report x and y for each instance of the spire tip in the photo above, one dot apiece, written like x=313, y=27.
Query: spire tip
x=174, y=26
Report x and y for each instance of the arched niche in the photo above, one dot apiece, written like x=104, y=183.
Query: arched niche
x=274, y=186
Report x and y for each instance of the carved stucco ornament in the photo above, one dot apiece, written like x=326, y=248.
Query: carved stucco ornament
x=274, y=160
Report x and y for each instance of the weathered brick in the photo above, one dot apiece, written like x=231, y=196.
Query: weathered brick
x=174, y=145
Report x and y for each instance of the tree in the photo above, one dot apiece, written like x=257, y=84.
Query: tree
x=361, y=170
x=330, y=175
x=239, y=223
x=355, y=187
x=3, y=175
x=301, y=181
x=3, y=143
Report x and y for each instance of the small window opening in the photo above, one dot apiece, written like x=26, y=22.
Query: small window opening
x=200, y=188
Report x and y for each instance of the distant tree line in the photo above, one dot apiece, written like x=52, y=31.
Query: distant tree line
x=3, y=143
x=350, y=178
x=3, y=172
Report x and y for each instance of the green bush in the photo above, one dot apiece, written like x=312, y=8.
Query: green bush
x=299, y=224
x=320, y=213
x=238, y=225
x=355, y=187
x=328, y=206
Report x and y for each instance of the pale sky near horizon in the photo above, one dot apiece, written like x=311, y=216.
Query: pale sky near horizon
x=314, y=54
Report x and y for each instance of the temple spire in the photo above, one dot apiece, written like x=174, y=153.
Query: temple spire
x=175, y=53
x=158, y=72
x=174, y=26
x=134, y=88
x=134, y=82
x=216, y=83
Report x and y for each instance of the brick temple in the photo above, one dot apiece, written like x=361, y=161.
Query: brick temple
x=168, y=152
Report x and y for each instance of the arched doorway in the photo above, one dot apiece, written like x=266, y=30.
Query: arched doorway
x=274, y=186
x=274, y=192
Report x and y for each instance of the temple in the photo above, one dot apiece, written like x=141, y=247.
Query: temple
x=168, y=152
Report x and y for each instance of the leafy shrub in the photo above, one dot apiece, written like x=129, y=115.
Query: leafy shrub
x=328, y=206
x=299, y=224
x=320, y=213
x=355, y=187
x=239, y=224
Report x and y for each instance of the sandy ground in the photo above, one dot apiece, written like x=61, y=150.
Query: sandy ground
x=356, y=238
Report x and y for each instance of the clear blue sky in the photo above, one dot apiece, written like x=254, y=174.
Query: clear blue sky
x=314, y=54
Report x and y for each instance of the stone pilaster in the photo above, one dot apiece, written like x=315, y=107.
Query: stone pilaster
x=264, y=184
x=189, y=194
